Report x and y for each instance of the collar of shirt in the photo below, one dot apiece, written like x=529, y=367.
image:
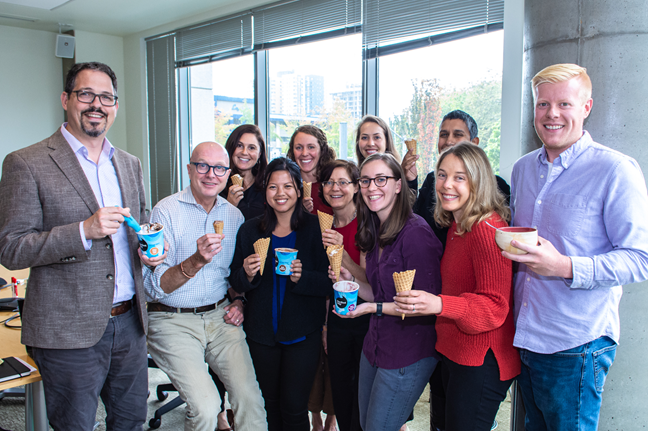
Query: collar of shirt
x=568, y=156
x=107, y=150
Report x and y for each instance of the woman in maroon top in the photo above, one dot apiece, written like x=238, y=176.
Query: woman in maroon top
x=397, y=356
x=309, y=148
x=344, y=338
x=474, y=326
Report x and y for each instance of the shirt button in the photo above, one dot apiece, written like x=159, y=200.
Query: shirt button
x=539, y=202
x=110, y=277
x=541, y=176
x=108, y=246
x=528, y=278
x=525, y=304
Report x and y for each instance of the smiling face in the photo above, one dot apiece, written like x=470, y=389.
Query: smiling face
x=339, y=197
x=89, y=120
x=281, y=192
x=452, y=185
x=307, y=152
x=452, y=132
x=559, y=115
x=379, y=199
x=372, y=139
x=246, y=152
x=206, y=187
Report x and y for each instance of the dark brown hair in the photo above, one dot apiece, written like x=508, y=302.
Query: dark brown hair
x=269, y=221
x=70, y=79
x=370, y=230
x=350, y=167
x=327, y=154
x=258, y=170
x=389, y=139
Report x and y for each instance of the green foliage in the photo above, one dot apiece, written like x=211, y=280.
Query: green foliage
x=329, y=122
x=222, y=121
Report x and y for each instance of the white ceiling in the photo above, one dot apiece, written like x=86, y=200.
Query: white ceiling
x=115, y=17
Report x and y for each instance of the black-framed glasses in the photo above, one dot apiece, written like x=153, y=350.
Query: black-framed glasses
x=380, y=181
x=341, y=183
x=89, y=97
x=203, y=168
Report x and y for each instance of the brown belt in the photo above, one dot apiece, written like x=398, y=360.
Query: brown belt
x=156, y=306
x=121, y=308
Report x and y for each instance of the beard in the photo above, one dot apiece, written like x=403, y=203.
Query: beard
x=90, y=129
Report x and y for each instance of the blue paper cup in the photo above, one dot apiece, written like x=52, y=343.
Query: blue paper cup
x=346, y=296
x=283, y=259
x=152, y=244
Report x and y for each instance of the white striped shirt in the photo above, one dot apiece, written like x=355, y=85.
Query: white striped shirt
x=185, y=221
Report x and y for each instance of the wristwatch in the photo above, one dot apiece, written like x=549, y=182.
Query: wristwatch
x=379, y=309
x=242, y=298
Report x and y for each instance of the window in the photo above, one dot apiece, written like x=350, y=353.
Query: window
x=222, y=98
x=418, y=87
x=317, y=83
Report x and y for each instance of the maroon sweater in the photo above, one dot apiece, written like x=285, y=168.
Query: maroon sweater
x=477, y=299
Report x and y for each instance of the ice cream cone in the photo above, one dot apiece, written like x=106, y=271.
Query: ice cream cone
x=334, y=253
x=326, y=220
x=411, y=145
x=218, y=226
x=261, y=248
x=403, y=282
x=237, y=180
x=307, y=189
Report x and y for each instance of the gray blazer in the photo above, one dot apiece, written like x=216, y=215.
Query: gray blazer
x=44, y=194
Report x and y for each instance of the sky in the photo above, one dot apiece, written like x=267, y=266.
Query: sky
x=456, y=64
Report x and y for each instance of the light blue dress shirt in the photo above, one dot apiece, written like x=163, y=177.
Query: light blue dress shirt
x=185, y=221
x=592, y=206
x=105, y=185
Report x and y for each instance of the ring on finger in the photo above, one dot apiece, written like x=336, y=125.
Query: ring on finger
x=414, y=307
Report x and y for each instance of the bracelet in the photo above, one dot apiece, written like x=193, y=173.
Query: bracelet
x=184, y=273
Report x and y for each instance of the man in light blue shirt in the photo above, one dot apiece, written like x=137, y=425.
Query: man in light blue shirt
x=589, y=204
x=192, y=322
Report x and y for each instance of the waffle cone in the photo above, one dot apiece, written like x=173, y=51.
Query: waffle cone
x=334, y=253
x=411, y=145
x=218, y=226
x=307, y=189
x=326, y=220
x=261, y=248
x=403, y=282
x=237, y=180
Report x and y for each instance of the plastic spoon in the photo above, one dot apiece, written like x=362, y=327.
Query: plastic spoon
x=130, y=221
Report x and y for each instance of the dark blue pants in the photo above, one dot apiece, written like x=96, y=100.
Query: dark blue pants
x=115, y=368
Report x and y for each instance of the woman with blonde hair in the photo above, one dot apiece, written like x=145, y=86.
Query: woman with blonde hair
x=474, y=324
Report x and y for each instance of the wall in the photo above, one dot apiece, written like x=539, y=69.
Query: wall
x=31, y=83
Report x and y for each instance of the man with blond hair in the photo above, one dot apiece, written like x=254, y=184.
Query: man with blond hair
x=588, y=203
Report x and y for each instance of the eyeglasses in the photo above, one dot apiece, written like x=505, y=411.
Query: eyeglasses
x=88, y=97
x=203, y=168
x=378, y=181
x=341, y=183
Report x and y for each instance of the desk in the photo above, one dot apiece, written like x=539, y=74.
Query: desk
x=35, y=413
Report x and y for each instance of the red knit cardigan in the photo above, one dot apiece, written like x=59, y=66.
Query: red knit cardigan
x=477, y=299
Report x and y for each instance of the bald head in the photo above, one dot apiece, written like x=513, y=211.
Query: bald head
x=207, y=172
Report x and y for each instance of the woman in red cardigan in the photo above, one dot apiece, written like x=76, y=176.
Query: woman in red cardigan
x=475, y=319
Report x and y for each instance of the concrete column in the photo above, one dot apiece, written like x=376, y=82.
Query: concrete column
x=610, y=39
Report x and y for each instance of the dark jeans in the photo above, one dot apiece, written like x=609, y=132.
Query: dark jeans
x=437, y=398
x=344, y=350
x=115, y=368
x=285, y=374
x=473, y=394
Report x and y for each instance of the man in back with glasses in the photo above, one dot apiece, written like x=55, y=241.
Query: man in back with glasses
x=193, y=322
x=64, y=200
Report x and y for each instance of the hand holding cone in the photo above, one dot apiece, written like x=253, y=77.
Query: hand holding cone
x=403, y=282
x=334, y=253
x=237, y=180
x=325, y=220
x=261, y=248
x=411, y=145
x=218, y=226
x=307, y=189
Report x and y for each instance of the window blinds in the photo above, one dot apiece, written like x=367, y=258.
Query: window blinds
x=387, y=22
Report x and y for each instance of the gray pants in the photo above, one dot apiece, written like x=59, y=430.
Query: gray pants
x=115, y=368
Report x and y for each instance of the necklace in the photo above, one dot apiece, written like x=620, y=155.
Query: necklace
x=355, y=213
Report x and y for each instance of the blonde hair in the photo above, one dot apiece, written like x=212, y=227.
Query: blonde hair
x=485, y=198
x=560, y=73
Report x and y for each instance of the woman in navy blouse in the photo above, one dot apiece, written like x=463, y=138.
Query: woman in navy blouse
x=284, y=313
x=398, y=355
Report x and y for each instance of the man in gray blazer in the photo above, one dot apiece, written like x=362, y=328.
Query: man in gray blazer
x=63, y=203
